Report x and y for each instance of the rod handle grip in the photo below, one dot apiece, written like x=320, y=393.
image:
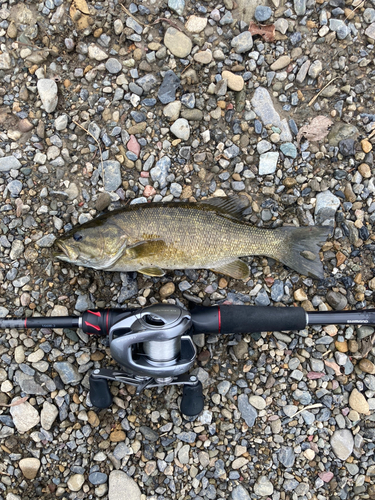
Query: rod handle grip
x=192, y=401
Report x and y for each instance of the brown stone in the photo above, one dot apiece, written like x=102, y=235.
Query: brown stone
x=117, y=436
x=349, y=194
x=167, y=290
x=187, y=191
x=289, y=182
x=367, y=366
x=364, y=170
x=340, y=258
x=353, y=345
x=342, y=346
x=358, y=402
x=366, y=145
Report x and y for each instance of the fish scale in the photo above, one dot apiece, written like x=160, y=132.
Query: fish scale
x=211, y=234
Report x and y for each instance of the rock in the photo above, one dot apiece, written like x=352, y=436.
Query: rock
x=342, y=443
x=203, y=57
x=358, y=402
x=336, y=300
x=69, y=373
x=263, y=487
x=48, y=415
x=248, y=412
x=315, y=69
x=239, y=493
x=172, y=110
x=9, y=163
x=268, y=163
x=5, y=61
x=75, y=482
x=167, y=290
x=286, y=456
x=264, y=108
x=289, y=149
x=181, y=129
x=97, y=53
x=196, y=24
x=325, y=208
x=258, y=402
x=119, y=482
x=302, y=72
x=262, y=13
x=48, y=94
x=242, y=42
x=177, y=43
x=25, y=416
x=280, y=63
x=234, y=82
x=113, y=66
x=300, y=7
x=370, y=32
x=112, y=174
x=29, y=467
x=160, y=172
x=341, y=131
x=96, y=478
x=177, y=6
x=167, y=90
x=367, y=366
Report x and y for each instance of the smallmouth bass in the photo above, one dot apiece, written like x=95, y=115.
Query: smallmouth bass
x=209, y=234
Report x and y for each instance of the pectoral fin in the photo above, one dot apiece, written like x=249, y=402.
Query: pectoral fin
x=152, y=271
x=236, y=269
x=146, y=249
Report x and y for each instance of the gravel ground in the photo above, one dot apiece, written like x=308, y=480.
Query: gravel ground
x=182, y=101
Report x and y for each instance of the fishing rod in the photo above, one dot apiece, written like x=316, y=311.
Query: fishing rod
x=154, y=346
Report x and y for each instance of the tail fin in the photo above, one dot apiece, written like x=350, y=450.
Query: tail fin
x=300, y=248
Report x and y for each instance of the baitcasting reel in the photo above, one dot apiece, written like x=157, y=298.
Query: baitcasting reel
x=154, y=348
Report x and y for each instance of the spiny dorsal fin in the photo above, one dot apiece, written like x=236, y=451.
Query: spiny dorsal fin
x=232, y=206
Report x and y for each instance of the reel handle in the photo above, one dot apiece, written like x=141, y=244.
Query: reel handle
x=100, y=395
x=192, y=401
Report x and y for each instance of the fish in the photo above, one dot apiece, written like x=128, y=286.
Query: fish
x=212, y=234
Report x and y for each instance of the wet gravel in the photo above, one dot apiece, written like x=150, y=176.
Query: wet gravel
x=104, y=104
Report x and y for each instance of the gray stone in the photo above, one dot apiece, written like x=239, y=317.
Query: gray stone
x=5, y=61
x=342, y=443
x=112, y=174
x=286, y=456
x=325, y=208
x=48, y=415
x=97, y=53
x=262, y=13
x=239, y=493
x=167, y=90
x=9, y=163
x=370, y=31
x=83, y=303
x=336, y=300
x=242, y=42
x=268, y=163
x=315, y=69
x=264, y=108
x=223, y=387
x=177, y=6
x=176, y=189
x=289, y=149
x=46, y=241
x=147, y=82
x=300, y=7
x=48, y=94
x=61, y=122
x=149, y=433
x=134, y=25
x=183, y=454
x=263, y=146
x=187, y=437
x=248, y=412
x=302, y=72
x=98, y=478
x=113, y=65
x=68, y=373
x=160, y=172
x=177, y=42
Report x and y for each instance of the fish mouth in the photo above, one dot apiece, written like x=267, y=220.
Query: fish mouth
x=63, y=254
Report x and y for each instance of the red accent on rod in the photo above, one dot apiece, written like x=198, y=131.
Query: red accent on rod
x=219, y=318
x=95, y=313
x=25, y=322
x=106, y=321
x=92, y=326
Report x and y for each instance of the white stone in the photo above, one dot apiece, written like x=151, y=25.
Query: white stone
x=119, y=482
x=96, y=53
x=25, y=416
x=268, y=163
x=29, y=467
x=181, y=129
x=196, y=24
x=61, y=122
x=75, y=482
x=47, y=89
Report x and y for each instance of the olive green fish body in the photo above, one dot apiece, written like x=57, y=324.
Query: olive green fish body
x=206, y=235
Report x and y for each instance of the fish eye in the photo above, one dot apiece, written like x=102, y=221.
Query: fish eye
x=77, y=237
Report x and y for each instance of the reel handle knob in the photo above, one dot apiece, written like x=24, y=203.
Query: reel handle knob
x=100, y=395
x=192, y=402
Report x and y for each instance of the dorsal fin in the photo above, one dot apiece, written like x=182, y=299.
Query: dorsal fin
x=232, y=206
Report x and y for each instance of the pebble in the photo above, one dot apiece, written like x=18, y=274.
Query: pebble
x=280, y=63
x=95, y=52
x=48, y=415
x=248, y=412
x=196, y=24
x=24, y=416
x=358, y=402
x=286, y=456
x=239, y=493
x=263, y=487
x=29, y=467
x=325, y=209
x=167, y=90
x=264, y=108
x=177, y=43
x=111, y=174
x=268, y=163
x=75, y=482
x=69, y=373
x=9, y=163
x=234, y=82
x=48, y=94
x=342, y=443
x=203, y=57
x=113, y=66
x=262, y=13
x=181, y=129
x=242, y=42
x=367, y=366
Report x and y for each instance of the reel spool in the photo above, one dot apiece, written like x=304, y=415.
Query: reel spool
x=154, y=348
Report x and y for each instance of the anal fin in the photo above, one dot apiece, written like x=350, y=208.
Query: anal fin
x=151, y=271
x=236, y=269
